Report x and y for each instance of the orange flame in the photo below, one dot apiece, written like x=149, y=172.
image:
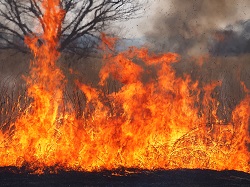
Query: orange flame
x=150, y=123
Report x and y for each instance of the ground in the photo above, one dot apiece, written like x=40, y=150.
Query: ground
x=133, y=177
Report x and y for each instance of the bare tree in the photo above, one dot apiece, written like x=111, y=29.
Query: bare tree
x=83, y=20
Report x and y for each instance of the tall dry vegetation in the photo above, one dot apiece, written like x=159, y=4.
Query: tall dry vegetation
x=14, y=66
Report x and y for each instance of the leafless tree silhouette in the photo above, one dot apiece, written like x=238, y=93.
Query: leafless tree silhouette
x=82, y=22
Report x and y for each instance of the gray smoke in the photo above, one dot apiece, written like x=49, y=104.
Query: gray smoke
x=190, y=25
x=234, y=40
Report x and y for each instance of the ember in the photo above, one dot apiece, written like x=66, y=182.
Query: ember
x=162, y=122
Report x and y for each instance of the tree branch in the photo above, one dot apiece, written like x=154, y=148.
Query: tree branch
x=82, y=18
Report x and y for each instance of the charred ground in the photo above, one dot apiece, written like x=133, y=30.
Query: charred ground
x=12, y=176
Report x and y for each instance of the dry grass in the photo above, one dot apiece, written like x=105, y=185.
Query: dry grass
x=230, y=70
x=13, y=95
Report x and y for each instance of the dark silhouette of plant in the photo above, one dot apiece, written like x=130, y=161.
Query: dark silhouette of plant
x=82, y=22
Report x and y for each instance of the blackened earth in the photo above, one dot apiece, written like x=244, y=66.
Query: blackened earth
x=11, y=176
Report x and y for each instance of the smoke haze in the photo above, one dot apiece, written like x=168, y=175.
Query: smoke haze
x=188, y=26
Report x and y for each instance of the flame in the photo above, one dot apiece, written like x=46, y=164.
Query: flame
x=151, y=122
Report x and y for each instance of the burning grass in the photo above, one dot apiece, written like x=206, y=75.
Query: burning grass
x=154, y=120
x=148, y=124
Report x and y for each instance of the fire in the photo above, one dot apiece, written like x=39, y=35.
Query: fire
x=155, y=121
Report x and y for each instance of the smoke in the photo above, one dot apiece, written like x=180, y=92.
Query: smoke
x=234, y=40
x=189, y=26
